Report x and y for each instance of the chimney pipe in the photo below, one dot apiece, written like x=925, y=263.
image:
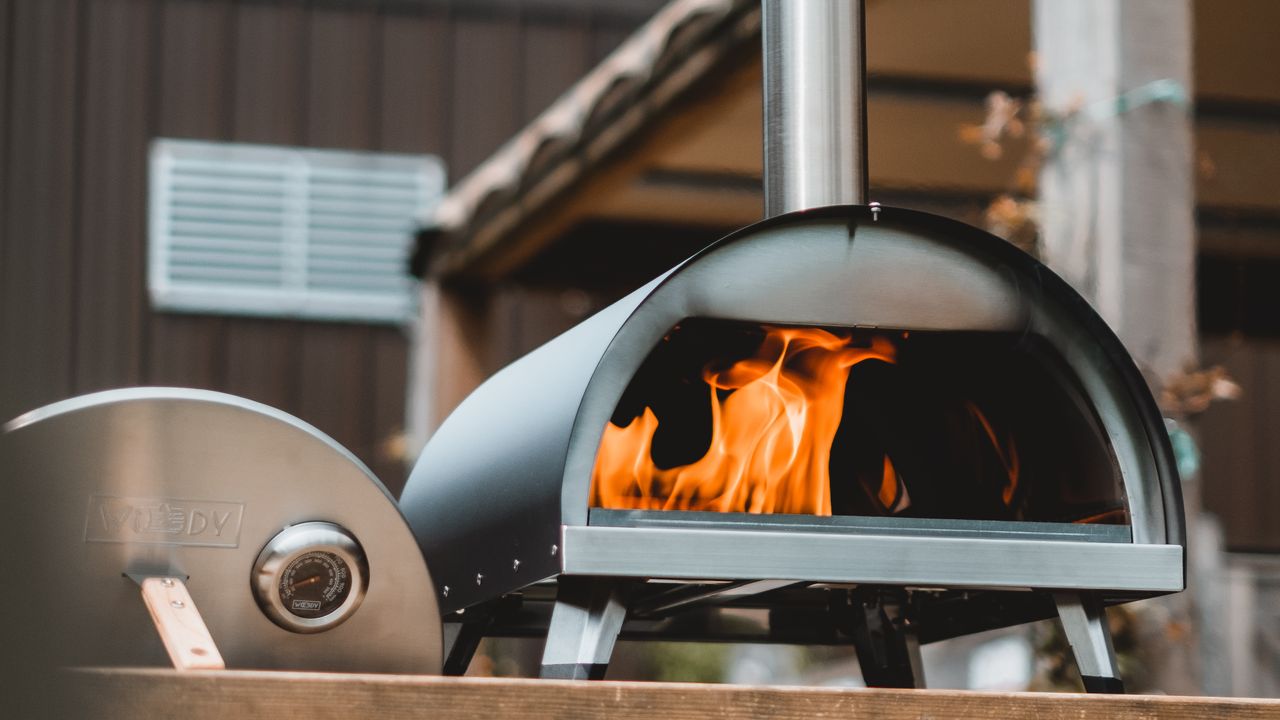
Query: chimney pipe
x=815, y=105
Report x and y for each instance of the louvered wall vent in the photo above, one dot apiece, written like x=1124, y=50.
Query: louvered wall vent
x=286, y=232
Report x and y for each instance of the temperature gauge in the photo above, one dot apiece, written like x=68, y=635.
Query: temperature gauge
x=310, y=577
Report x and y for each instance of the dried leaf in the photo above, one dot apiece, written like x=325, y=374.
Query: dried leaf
x=972, y=134
x=1193, y=391
x=1025, y=179
x=1002, y=121
x=1206, y=168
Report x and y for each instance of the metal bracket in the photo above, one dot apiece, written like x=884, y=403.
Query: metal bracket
x=461, y=642
x=464, y=630
x=1084, y=621
x=683, y=597
x=178, y=621
x=884, y=638
x=584, y=627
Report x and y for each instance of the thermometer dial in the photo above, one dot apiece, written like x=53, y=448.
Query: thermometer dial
x=310, y=577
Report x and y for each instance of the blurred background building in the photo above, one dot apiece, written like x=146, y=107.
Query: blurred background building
x=646, y=155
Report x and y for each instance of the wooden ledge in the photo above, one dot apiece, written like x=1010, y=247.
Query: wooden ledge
x=247, y=695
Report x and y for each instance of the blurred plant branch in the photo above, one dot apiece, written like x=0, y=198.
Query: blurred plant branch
x=1015, y=214
x=1192, y=391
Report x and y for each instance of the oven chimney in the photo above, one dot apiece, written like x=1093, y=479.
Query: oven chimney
x=815, y=109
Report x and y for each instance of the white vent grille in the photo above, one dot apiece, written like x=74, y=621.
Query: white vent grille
x=266, y=230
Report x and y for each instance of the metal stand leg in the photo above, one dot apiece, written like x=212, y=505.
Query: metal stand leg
x=1085, y=623
x=914, y=660
x=462, y=641
x=885, y=640
x=584, y=625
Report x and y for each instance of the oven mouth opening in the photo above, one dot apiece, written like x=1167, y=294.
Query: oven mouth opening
x=861, y=430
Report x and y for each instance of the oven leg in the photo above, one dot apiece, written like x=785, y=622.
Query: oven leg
x=462, y=646
x=914, y=660
x=584, y=625
x=1085, y=623
x=886, y=642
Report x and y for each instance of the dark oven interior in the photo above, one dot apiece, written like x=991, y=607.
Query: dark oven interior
x=860, y=426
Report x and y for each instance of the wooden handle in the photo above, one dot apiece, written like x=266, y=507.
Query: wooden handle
x=180, y=626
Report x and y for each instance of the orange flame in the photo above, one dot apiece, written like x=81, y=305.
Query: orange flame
x=888, y=484
x=1008, y=455
x=771, y=434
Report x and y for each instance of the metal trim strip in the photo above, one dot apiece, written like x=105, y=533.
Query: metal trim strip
x=896, y=560
x=861, y=525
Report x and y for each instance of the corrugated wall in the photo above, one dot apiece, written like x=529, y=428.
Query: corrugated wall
x=86, y=84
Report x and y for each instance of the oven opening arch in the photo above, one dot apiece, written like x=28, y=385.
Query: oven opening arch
x=904, y=431
x=840, y=268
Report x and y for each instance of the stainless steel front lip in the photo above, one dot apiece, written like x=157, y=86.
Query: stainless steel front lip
x=822, y=557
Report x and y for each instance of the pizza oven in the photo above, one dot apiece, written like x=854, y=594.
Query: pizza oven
x=854, y=423
x=871, y=420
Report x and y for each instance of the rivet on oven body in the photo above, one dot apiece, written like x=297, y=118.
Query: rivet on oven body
x=479, y=578
x=875, y=211
x=554, y=550
x=445, y=591
x=515, y=564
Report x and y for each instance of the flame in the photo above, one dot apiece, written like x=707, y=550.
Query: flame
x=774, y=417
x=1107, y=517
x=1008, y=455
x=888, y=484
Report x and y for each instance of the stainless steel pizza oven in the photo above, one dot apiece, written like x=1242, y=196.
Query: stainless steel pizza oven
x=883, y=426
x=154, y=526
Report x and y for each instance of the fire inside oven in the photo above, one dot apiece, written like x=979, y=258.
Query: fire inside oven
x=774, y=420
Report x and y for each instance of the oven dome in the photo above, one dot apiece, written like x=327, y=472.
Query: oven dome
x=509, y=473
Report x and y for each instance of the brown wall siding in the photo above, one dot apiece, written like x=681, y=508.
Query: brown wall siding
x=85, y=86
x=6, y=54
x=37, y=291
x=110, y=264
x=1240, y=440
